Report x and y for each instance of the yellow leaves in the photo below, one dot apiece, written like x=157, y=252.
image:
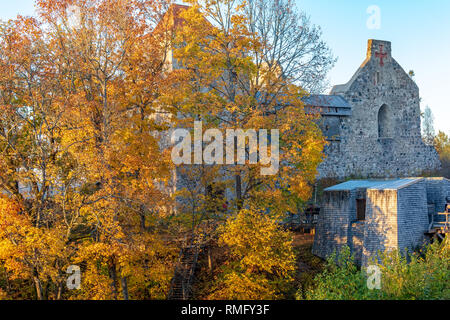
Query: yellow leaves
x=3, y=295
x=239, y=286
x=80, y=107
x=263, y=253
x=24, y=247
x=259, y=242
x=138, y=260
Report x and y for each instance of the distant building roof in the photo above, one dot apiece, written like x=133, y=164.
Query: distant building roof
x=394, y=184
x=173, y=20
x=329, y=105
x=177, y=10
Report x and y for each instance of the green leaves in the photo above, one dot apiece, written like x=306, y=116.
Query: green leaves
x=420, y=275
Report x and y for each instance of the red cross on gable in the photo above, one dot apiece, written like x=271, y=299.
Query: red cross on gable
x=382, y=55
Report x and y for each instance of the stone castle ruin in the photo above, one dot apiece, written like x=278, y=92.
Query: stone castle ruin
x=372, y=123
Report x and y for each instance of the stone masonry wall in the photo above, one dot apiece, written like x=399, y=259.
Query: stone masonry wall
x=395, y=219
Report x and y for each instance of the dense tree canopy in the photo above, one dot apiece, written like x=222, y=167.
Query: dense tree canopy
x=87, y=95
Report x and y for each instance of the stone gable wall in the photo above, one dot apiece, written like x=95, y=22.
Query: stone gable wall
x=361, y=151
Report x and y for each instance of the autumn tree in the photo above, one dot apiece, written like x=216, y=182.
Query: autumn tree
x=113, y=79
x=86, y=94
x=34, y=165
x=230, y=88
x=442, y=145
x=262, y=258
x=79, y=157
x=292, y=46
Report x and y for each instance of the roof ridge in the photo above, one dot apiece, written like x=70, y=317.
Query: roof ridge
x=413, y=181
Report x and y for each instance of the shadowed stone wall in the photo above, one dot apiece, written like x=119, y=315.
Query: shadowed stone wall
x=357, y=240
x=333, y=222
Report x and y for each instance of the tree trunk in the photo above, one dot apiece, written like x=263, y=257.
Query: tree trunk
x=124, y=288
x=113, y=276
x=38, y=285
x=142, y=216
x=8, y=284
x=60, y=290
x=238, y=192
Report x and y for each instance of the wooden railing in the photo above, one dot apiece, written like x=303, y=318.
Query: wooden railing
x=440, y=229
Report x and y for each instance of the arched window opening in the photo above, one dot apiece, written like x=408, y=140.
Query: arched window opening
x=385, y=128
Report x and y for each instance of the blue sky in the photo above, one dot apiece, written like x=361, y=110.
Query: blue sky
x=418, y=29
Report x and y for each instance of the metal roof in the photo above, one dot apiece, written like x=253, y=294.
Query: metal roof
x=326, y=105
x=329, y=105
x=394, y=184
x=322, y=100
x=397, y=184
